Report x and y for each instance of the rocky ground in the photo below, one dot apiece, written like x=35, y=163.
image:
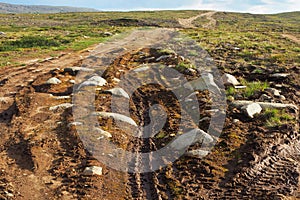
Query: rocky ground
x=43, y=156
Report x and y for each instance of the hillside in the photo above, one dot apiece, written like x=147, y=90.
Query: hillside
x=89, y=102
x=14, y=8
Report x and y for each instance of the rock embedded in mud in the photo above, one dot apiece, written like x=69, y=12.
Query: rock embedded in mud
x=53, y=81
x=252, y=109
x=273, y=91
x=61, y=107
x=190, y=138
x=197, y=153
x=229, y=79
x=265, y=105
x=118, y=92
x=91, y=171
x=115, y=116
x=280, y=75
x=74, y=70
x=93, y=81
x=102, y=133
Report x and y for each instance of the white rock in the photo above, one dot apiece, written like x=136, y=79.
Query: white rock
x=236, y=121
x=75, y=70
x=118, y=92
x=94, y=81
x=91, y=171
x=61, y=106
x=238, y=87
x=53, y=81
x=72, y=81
x=62, y=97
x=228, y=79
x=273, y=91
x=116, y=116
x=197, y=153
x=281, y=97
x=252, y=109
x=205, y=82
x=141, y=69
x=280, y=75
x=102, y=133
x=190, y=138
x=265, y=97
x=265, y=105
x=75, y=124
x=163, y=57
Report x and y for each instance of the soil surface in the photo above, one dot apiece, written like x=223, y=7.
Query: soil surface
x=43, y=157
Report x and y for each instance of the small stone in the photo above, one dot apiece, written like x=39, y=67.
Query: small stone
x=72, y=81
x=163, y=57
x=61, y=107
x=116, y=80
x=281, y=97
x=116, y=116
x=74, y=70
x=102, y=133
x=118, y=92
x=235, y=121
x=265, y=97
x=238, y=87
x=228, y=79
x=197, y=153
x=273, y=91
x=2, y=33
x=91, y=171
x=252, y=109
x=53, y=81
x=280, y=75
x=74, y=124
x=108, y=34
x=94, y=81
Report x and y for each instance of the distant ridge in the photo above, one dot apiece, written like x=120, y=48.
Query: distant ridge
x=14, y=8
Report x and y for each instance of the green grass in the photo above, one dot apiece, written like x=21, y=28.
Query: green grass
x=275, y=117
x=250, y=90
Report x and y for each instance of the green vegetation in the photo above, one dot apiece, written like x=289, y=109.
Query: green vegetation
x=275, y=117
x=250, y=90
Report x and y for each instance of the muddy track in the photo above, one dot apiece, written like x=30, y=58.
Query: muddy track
x=41, y=154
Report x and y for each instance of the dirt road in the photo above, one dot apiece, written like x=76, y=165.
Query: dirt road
x=188, y=23
x=43, y=157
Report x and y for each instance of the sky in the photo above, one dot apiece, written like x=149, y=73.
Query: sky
x=251, y=6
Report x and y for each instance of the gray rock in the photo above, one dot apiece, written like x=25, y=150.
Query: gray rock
x=197, y=153
x=102, y=133
x=75, y=70
x=281, y=97
x=228, y=79
x=91, y=171
x=116, y=116
x=108, y=34
x=252, y=109
x=2, y=33
x=265, y=97
x=118, y=92
x=53, y=81
x=163, y=57
x=206, y=82
x=280, y=75
x=75, y=124
x=141, y=69
x=273, y=91
x=61, y=107
x=265, y=105
x=191, y=137
x=238, y=87
x=94, y=81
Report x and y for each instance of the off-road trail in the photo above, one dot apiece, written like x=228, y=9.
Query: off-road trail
x=292, y=38
x=188, y=23
x=44, y=157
